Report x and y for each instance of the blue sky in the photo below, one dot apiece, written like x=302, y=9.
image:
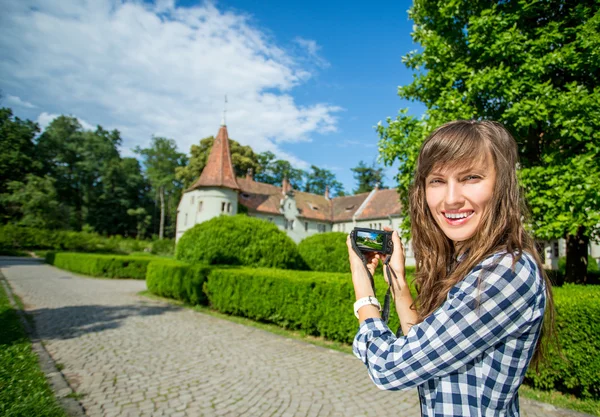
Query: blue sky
x=306, y=80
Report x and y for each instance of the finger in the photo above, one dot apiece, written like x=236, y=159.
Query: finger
x=387, y=228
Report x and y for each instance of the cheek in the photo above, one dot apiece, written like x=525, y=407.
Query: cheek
x=432, y=199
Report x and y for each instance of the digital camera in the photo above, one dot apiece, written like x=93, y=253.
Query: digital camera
x=371, y=240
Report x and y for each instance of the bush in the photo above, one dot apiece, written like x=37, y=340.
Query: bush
x=578, y=324
x=178, y=280
x=163, y=247
x=592, y=265
x=239, y=240
x=318, y=303
x=326, y=252
x=18, y=238
x=108, y=266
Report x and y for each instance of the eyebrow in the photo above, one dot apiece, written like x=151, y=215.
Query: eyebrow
x=481, y=171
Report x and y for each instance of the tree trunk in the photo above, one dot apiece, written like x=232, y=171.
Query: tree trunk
x=577, y=256
x=161, y=230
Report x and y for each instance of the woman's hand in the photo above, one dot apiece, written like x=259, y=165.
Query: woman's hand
x=397, y=264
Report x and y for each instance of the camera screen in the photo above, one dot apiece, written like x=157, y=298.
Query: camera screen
x=369, y=240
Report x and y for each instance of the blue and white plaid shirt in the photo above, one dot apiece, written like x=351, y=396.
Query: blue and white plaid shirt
x=469, y=357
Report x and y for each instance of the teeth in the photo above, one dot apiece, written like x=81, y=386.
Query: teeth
x=456, y=215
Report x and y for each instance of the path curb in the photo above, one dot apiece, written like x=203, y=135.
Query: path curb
x=56, y=379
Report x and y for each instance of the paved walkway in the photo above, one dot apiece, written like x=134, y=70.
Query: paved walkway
x=132, y=356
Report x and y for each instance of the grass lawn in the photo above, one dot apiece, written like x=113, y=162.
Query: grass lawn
x=555, y=398
x=24, y=391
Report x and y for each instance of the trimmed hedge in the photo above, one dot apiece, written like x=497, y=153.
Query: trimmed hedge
x=239, y=240
x=108, y=266
x=578, y=327
x=17, y=237
x=318, y=303
x=178, y=280
x=325, y=252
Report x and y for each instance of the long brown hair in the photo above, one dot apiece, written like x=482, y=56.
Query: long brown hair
x=460, y=144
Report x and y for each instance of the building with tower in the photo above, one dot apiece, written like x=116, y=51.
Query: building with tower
x=218, y=192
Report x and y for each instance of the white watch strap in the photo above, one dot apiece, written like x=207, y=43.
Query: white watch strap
x=361, y=302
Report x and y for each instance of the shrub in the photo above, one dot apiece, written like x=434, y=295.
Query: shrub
x=318, y=303
x=578, y=324
x=326, y=252
x=108, y=266
x=178, y=280
x=592, y=265
x=16, y=237
x=239, y=240
x=163, y=247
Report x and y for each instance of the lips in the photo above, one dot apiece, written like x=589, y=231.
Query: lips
x=458, y=217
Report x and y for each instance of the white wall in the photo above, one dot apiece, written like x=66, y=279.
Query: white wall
x=198, y=206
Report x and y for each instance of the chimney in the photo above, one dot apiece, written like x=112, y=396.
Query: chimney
x=377, y=185
x=285, y=186
x=250, y=174
x=327, y=192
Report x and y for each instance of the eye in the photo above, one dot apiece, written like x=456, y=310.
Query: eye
x=435, y=181
x=473, y=178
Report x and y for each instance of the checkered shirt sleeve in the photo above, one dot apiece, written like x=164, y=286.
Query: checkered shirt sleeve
x=495, y=315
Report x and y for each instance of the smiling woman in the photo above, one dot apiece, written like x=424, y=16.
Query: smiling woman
x=482, y=293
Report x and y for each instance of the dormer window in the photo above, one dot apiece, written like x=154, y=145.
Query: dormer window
x=350, y=207
x=313, y=207
x=245, y=195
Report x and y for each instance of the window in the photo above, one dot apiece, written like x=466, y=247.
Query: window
x=306, y=226
x=192, y=200
x=380, y=228
x=322, y=228
x=199, y=206
x=555, y=249
x=223, y=205
x=271, y=219
x=228, y=207
x=290, y=206
x=291, y=225
x=185, y=220
x=285, y=224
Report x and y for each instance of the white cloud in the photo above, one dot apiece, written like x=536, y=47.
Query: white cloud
x=17, y=101
x=312, y=49
x=159, y=69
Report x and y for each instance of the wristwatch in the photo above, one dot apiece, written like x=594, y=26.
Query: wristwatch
x=361, y=302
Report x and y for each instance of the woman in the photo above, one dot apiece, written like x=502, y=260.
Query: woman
x=476, y=325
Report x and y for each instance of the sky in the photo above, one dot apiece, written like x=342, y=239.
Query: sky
x=306, y=80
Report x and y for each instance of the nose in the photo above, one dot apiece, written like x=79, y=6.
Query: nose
x=454, y=196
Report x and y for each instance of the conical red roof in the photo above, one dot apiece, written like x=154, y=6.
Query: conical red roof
x=218, y=171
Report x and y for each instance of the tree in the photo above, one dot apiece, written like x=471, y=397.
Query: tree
x=18, y=155
x=532, y=66
x=243, y=158
x=161, y=160
x=319, y=179
x=34, y=203
x=367, y=177
x=273, y=171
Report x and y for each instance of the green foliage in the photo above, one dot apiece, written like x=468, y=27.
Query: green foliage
x=272, y=171
x=17, y=158
x=318, y=179
x=501, y=61
x=592, y=265
x=318, y=303
x=178, y=280
x=577, y=321
x=243, y=158
x=107, y=266
x=163, y=247
x=238, y=240
x=18, y=238
x=161, y=160
x=24, y=390
x=367, y=177
x=325, y=252
x=34, y=203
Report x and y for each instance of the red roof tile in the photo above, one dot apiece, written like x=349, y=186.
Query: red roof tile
x=218, y=171
x=384, y=203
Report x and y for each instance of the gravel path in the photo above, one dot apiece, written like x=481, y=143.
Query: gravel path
x=131, y=356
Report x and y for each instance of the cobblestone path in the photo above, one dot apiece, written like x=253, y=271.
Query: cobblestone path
x=131, y=356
